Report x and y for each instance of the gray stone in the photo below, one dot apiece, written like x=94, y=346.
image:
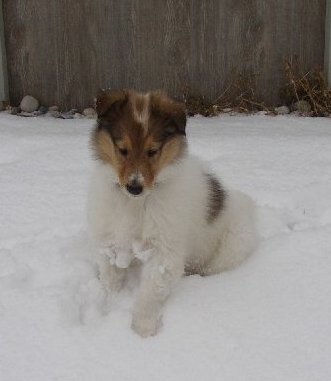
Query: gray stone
x=282, y=110
x=27, y=114
x=29, y=104
x=302, y=106
x=66, y=115
x=43, y=109
x=14, y=110
x=53, y=108
x=53, y=114
x=78, y=115
x=90, y=113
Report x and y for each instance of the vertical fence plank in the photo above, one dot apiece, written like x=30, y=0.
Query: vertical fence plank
x=3, y=63
x=328, y=41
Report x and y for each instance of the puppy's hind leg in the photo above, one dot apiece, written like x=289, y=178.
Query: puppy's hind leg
x=237, y=234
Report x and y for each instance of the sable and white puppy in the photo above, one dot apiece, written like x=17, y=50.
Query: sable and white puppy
x=150, y=201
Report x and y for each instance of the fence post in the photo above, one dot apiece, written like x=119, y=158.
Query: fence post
x=3, y=64
x=328, y=41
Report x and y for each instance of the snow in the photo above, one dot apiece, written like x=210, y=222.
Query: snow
x=269, y=319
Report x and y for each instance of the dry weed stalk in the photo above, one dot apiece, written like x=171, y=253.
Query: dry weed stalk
x=310, y=86
x=239, y=96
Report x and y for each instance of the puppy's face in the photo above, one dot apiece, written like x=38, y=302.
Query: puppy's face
x=139, y=135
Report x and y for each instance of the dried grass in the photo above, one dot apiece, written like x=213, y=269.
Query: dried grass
x=310, y=86
x=239, y=96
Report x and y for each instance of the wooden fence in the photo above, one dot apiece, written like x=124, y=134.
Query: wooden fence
x=3, y=65
x=63, y=51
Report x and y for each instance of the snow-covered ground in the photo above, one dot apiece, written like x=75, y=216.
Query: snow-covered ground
x=269, y=319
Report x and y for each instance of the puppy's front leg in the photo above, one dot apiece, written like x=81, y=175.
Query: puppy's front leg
x=113, y=264
x=159, y=276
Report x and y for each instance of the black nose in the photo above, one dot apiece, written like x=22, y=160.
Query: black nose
x=134, y=189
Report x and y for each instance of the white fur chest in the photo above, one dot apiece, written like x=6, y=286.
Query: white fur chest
x=112, y=216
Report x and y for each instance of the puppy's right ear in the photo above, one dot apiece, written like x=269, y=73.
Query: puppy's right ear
x=110, y=103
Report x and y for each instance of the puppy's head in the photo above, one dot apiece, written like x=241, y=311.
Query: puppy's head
x=139, y=135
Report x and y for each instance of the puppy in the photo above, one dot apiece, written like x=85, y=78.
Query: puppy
x=153, y=203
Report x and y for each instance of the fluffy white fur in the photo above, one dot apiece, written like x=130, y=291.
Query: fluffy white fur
x=167, y=231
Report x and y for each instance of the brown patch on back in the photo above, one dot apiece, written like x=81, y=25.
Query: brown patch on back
x=216, y=198
x=139, y=133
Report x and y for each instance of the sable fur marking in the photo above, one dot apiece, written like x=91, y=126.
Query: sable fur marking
x=216, y=200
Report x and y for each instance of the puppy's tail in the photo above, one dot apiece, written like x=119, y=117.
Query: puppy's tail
x=238, y=236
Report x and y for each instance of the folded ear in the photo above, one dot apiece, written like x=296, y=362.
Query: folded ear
x=110, y=103
x=173, y=113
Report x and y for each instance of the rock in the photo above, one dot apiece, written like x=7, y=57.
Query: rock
x=78, y=115
x=53, y=108
x=54, y=114
x=12, y=110
x=90, y=113
x=29, y=104
x=227, y=109
x=302, y=106
x=66, y=115
x=91, y=116
x=28, y=114
x=43, y=109
x=282, y=110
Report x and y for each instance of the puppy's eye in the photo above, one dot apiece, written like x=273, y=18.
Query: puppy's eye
x=151, y=152
x=123, y=151
x=170, y=130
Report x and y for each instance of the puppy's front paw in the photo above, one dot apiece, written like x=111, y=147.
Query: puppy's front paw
x=146, y=326
x=117, y=257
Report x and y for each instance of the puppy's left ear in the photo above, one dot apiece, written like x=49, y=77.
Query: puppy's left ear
x=173, y=113
x=110, y=103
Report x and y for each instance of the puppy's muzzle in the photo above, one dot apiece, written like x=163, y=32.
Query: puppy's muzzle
x=134, y=188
